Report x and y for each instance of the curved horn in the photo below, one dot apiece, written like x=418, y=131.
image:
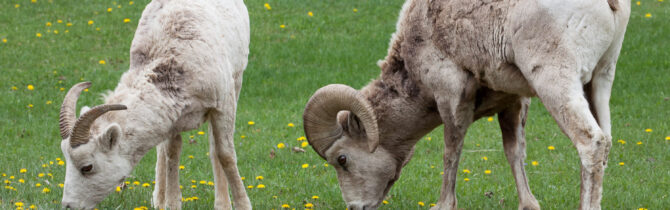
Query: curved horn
x=81, y=130
x=68, y=109
x=320, y=116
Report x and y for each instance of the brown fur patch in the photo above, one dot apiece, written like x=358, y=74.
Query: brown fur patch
x=168, y=77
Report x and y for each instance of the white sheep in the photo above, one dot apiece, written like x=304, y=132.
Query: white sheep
x=453, y=62
x=186, y=65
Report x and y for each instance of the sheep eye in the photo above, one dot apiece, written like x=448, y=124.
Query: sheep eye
x=86, y=169
x=342, y=160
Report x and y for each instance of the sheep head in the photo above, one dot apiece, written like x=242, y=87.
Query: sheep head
x=341, y=127
x=94, y=166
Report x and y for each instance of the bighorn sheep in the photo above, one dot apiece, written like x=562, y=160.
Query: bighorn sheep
x=186, y=65
x=452, y=62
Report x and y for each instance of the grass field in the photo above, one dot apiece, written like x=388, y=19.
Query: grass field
x=47, y=46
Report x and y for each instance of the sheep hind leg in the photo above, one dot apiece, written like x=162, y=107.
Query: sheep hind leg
x=222, y=128
x=221, y=195
x=565, y=100
x=512, y=121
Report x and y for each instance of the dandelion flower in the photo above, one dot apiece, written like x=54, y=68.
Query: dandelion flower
x=280, y=146
x=621, y=141
x=90, y=22
x=648, y=15
x=267, y=6
x=201, y=133
x=289, y=124
x=68, y=24
x=97, y=28
x=315, y=197
x=485, y=158
x=421, y=203
x=59, y=21
x=131, y=3
x=181, y=167
x=210, y=183
x=490, y=119
x=14, y=88
x=355, y=10
x=639, y=143
x=46, y=190
x=146, y=185
x=385, y=202
x=102, y=62
x=305, y=165
x=621, y=163
x=260, y=186
x=250, y=186
x=38, y=185
x=466, y=179
x=667, y=138
x=190, y=157
x=55, y=31
x=33, y=1
x=32, y=206
x=302, y=138
x=243, y=136
x=638, y=3
x=30, y=105
x=310, y=13
x=193, y=186
x=304, y=144
x=648, y=130
x=136, y=183
x=22, y=181
x=18, y=204
x=23, y=170
x=286, y=206
x=259, y=178
x=466, y=171
x=551, y=148
x=325, y=165
x=251, y=123
x=62, y=89
x=40, y=175
x=48, y=24
x=243, y=178
x=61, y=185
x=487, y=172
x=17, y=5
x=38, y=34
x=109, y=9
x=126, y=20
x=4, y=40
x=535, y=163
x=309, y=205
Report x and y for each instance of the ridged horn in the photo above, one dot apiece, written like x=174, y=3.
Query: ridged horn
x=81, y=130
x=320, y=116
x=68, y=109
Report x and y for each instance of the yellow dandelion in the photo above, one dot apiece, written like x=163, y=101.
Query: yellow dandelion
x=190, y=157
x=487, y=172
x=119, y=6
x=90, y=22
x=146, y=185
x=18, y=204
x=118, y=189
x=4, y=40
x=621, y=141
x=14, y=88
x=385, y=202
x=535, y=163
x=109, y=9
x=40, y=175
x=46, y=190
x=490, y=119
x=289, y=124
x=304, y=144
x=32, y=206
x=22, y=181
x=30, y=105
x=286, y=206
x=259, y=178
x=33, y=1
x=639, y=143
x=48, y=24
x=667, y=138
x=267, y=6
x=136, y=183
x=55, y=31
x=203, y=182
x=315, y=197
x=193, y=186
x=210, y=183
x=59, y=21
x=86, y=90
x=23, y=170
x=260, y=186
x=280, y=146
x=325, y=165
x=309, y=205
x=648, y=130
x=466, y=171
x=61, y=185
x=485, y=158
x=62, y=89
x=648, y=15
x=131, y=3
x=302, y=138
x=68, y=24
x=201, y=133
x=126, y=20
x=250, y=186
x=243, y=136
x=310, y=13
x=102, y=62
x=429, y=138
x=432, y=204
x=181, y=167
x=251, y=123
x=466, y=179
x=305, y=165
x=38, y=34
x=621, y=163
x=17, y=5
x=38, y=185
x=551, y=148
x=243, y=178
x=97, y=28
x=421, y=203
x=355, y=10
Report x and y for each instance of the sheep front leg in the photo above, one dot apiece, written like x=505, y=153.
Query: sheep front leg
x=456, y=107
x=167, y=194
x=222, y=128
x=512, y=121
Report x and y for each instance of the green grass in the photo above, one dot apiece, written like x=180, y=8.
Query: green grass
x=286, y=66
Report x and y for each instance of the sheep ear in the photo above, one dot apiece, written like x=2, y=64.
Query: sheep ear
x=350, y=123
x=111, y=137
x=84, y=110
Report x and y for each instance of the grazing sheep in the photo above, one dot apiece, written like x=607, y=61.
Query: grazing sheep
x=453, y=62
x=186, y=65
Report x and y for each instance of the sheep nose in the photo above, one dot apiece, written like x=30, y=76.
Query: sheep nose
x=357, y=207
